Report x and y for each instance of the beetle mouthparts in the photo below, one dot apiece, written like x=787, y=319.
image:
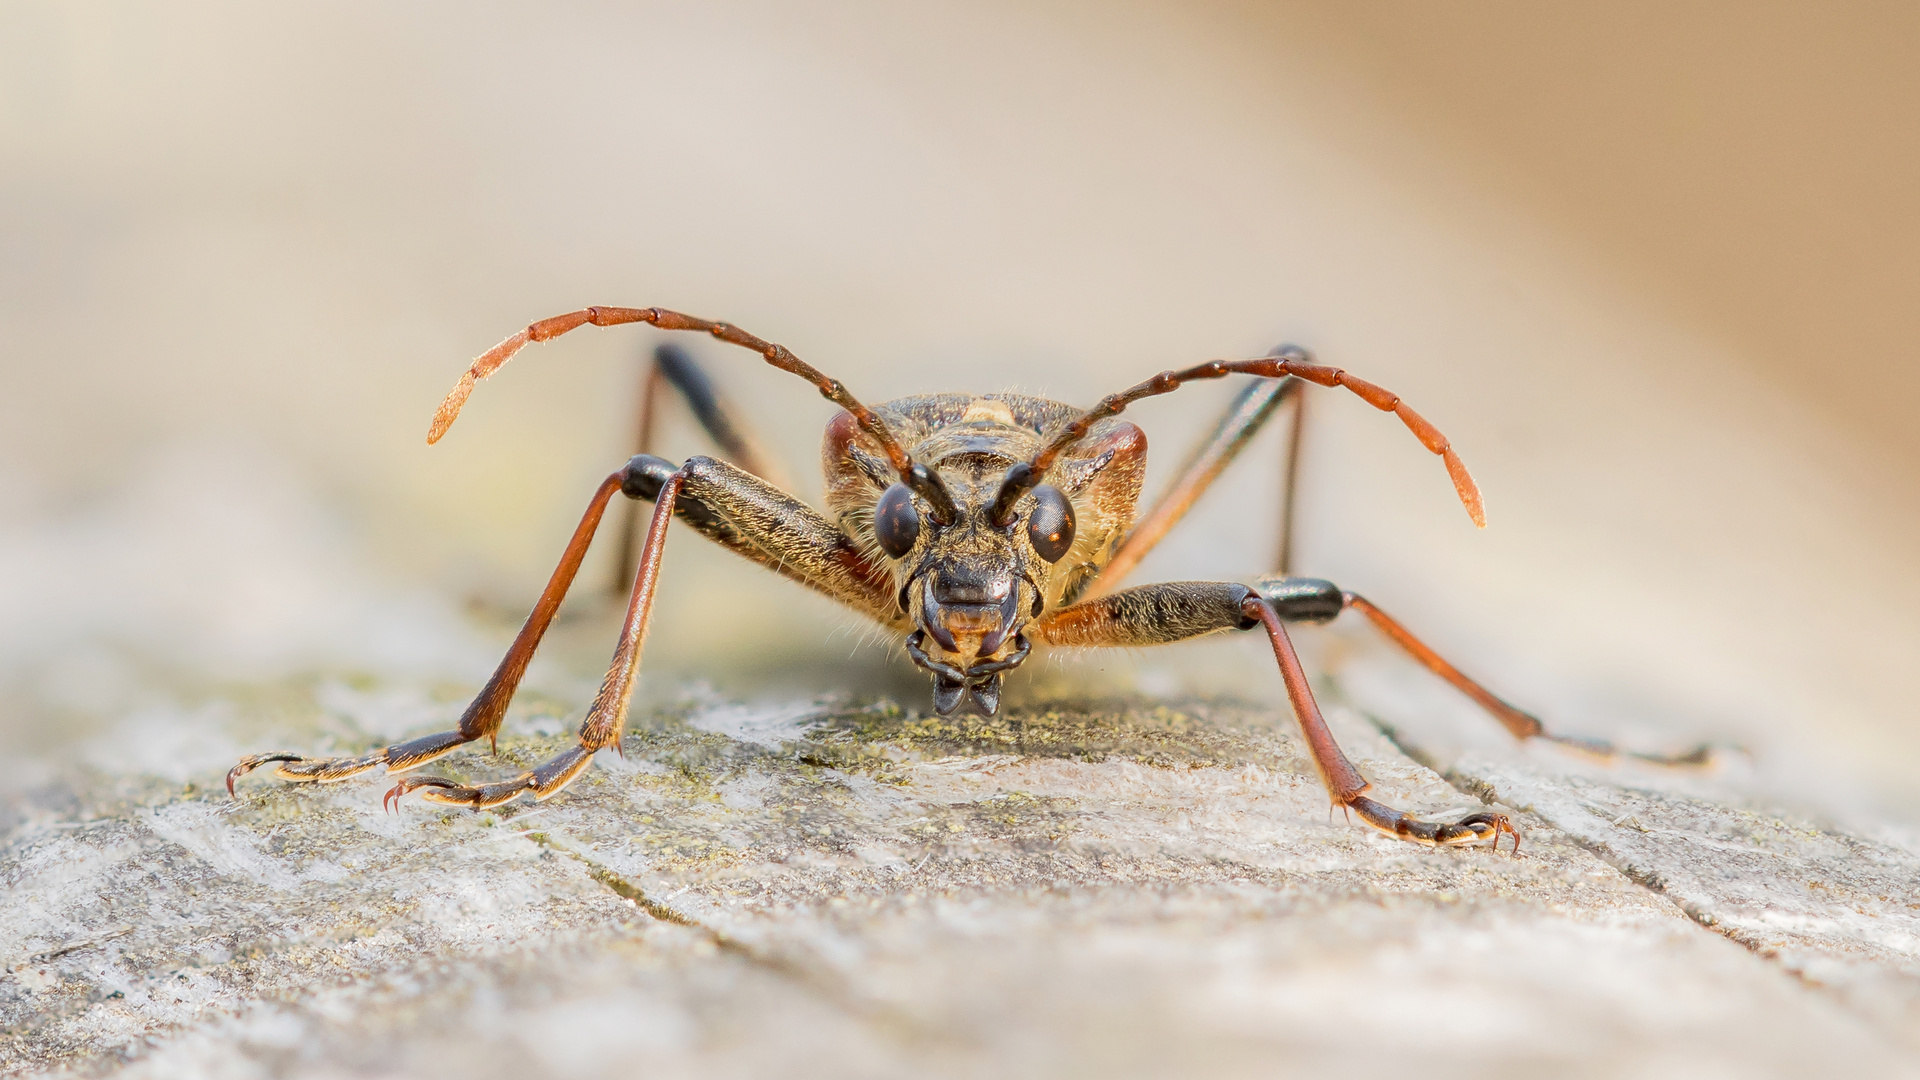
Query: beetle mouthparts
x=948, y=695
x=985, y=610
x=979, y=684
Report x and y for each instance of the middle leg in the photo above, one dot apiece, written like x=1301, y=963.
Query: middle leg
x=1174, y=611
x=1244, y=418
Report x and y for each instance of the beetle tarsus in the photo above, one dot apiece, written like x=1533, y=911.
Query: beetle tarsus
x=305, y=769
x=1473, y=828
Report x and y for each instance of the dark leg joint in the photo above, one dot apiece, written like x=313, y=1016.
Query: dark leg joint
x=1302, y=599
x=643, y=475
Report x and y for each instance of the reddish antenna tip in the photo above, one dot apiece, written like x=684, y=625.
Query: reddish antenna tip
x=450, y=406
x=1464, y=486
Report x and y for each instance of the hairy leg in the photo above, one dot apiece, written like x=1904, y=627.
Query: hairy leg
x=732, y=508
x=754, y=519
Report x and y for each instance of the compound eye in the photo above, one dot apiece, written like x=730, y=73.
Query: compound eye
x=896, y=524
x=1050, y=526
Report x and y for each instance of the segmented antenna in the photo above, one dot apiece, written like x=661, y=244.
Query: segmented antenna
x=1291, y=360
x=922, y=480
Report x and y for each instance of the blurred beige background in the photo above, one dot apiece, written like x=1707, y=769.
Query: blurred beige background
x=1651, y=269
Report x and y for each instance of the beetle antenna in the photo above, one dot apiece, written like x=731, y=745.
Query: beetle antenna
x=546, y=329
x=1287, y=360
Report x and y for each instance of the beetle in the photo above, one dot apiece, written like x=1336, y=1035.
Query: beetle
x=976, y=528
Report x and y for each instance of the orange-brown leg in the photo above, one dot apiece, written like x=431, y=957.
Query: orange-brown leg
x=1245, y=417
x=1174, y=611
x=735, y=509
x=1313, y=600
x=1342, y=780
x=482, y=718
x=1521, y=724
x=608, y=716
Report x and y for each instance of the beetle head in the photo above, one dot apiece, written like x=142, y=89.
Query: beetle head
x=971, y=574
x=976, y=548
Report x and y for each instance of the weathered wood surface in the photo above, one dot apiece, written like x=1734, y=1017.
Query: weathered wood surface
x=1112, y=888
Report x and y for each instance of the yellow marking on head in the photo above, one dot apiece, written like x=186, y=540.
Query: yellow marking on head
x=987, y=411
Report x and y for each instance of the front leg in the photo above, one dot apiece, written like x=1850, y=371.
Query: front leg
x=1174, y=611
x=756, y=520
x=482, y=718
x=608, y=716
x=733, y=508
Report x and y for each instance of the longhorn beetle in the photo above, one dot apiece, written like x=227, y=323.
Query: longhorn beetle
x=976, y=527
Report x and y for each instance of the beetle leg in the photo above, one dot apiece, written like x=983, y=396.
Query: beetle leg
x=1343, y=781
x=482, y=718
x=674, y=366
x=1245, y=417
x=608, y=716
x=1173, y=611
x=1312, y=600
x=755, y=520
x=740, y=512
x=735, y=509
x=1521, y=724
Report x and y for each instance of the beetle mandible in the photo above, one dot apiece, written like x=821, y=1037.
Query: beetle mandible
x=976, y=527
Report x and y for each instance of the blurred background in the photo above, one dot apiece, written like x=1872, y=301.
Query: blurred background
x=1651, y=267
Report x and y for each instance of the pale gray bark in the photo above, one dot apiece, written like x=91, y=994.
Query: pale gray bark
x=1121, y=889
